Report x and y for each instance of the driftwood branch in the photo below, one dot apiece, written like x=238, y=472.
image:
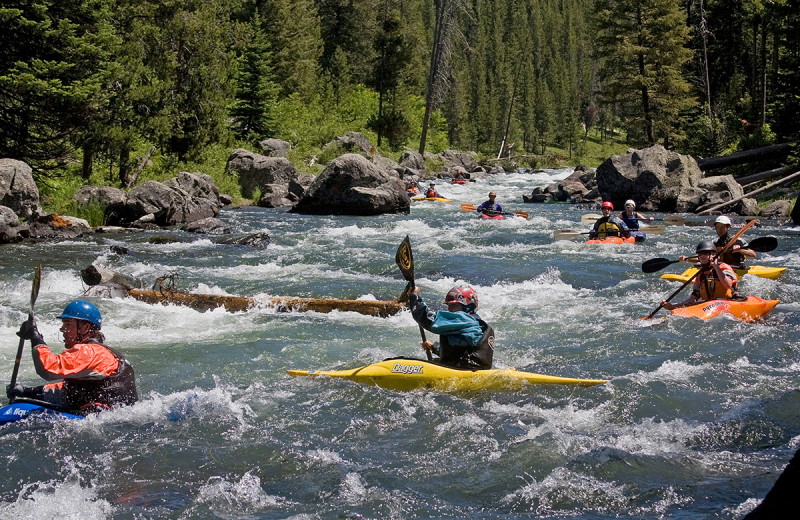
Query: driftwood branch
x=745, y=156
x=759, y=190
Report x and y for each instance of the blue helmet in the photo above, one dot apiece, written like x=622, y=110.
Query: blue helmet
x=81, y=310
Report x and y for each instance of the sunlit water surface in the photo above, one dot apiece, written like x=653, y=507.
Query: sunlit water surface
x=697, y=421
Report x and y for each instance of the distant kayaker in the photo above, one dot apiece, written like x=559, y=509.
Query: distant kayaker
x=431, y=192
x=716, y=280
x=631, y=217
x=609, y=225
x=411, y=188
x=465, y=340
x=736, y=255
x=93, y=376
x=490, y=207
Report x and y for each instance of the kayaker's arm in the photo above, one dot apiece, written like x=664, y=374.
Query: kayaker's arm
x=420, y=311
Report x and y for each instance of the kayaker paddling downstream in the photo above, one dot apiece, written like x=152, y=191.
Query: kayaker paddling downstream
x=465, y=340
x=91, y=376
x=716, y=279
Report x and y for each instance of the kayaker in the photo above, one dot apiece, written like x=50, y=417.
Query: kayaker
x=411, y=188
x=609, y=225
x=431, y=192
x=736, y=255
x=715, y=281
x=465, y=340
x=490, y=207
x=93, y=376
x=631, y=217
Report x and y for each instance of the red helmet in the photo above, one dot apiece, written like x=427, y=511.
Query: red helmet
x=463, y=294
x=607, y=204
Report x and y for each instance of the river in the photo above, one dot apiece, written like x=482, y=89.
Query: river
x=696, y=422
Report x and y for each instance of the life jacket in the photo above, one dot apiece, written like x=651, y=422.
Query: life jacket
x=631, y=222
x=729, y=256
x=607, y=228
x=116, y=389
x=706, y=285
x=432, y=194
x=478, y=357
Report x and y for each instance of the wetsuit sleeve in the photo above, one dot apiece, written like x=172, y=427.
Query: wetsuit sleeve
x=499, y=208
x=83, y=361
x=420, y=311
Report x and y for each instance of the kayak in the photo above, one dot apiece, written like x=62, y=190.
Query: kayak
x=458, y=181
x=750, y=309
x=499, y=216
x=757, y=270
x=615, y=240
x=24, y=408
x=434, y=199
x=414, y=374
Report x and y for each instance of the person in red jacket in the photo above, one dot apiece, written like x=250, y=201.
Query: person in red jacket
x=90, y=376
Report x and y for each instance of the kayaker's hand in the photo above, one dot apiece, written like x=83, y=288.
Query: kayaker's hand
x=29, y=331
x=14, y=391
x=427, y=345
x=667, y=305
x=416, y=290
x=682, y=258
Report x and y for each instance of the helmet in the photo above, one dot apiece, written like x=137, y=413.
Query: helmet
x=433, y=184
x=607, y=204
x=630, y=202
x=722, y=219
x=81, y=310
x=463, y=294
x=706, y=246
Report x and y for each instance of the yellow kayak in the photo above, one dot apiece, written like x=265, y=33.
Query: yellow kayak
x=413, y=374
x=434, y=199
x=757, y=270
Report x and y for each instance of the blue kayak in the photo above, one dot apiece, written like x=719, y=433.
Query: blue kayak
x=24, y=408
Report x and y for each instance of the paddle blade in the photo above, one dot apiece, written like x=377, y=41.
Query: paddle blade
x=590, y=217
x=566, y=234
x=656, y=264
x=37, y=281
x=467, y=207
x=763, y=244
x=521, y=214
x=653, y=230
x=674, y=220
x=405, y=260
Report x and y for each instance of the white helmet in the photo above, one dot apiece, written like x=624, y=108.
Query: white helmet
x=722, y=219
x=630, y=202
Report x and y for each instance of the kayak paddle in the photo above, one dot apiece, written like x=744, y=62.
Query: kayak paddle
x=404, y=259
x=568, y=234
x=691, y=279
x=470, y=207
x=761, y=245
x=672, y=220
x=37, y=280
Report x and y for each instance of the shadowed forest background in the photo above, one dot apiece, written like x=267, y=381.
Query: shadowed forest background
x=90, y=89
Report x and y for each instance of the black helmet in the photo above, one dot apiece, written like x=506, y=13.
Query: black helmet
x=706, y=246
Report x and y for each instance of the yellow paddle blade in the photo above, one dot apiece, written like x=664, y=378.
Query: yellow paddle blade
x=566, y=234
x=590, y=217
x=653, y=230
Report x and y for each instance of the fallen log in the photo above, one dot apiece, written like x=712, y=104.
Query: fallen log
x=775, y=151
x=98, y=276
x=760, y=190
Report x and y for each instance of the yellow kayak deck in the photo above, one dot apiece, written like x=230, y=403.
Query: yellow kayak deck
x=756, y=270
x=433, y=199
x=413, y=374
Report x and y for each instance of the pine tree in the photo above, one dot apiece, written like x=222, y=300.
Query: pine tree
x=54, y=68
x=256, y=92
x=642, y=52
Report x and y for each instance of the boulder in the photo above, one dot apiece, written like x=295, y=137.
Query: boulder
x=196, y=185
x=208, y=225
x=453, y=159
x=17, y=189
x=259, y=239
x=777, y=209
x=102, y=195
x=352, y=185
x=165, y=204
x=58, y=227
x=656, y=177
x=746, y=206
x=275, y=196
x=11, y=229
x=275, y=147
x=413, y=160
x=256, y=171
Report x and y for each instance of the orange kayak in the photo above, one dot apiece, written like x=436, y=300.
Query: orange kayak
x=612, y=240
x=751, y=309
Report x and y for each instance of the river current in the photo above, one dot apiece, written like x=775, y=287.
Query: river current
x=697, y=421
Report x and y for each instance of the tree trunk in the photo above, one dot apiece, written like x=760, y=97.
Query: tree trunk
x=124, y=158
x=436, y=53
x=88, y=159
x=775, y=151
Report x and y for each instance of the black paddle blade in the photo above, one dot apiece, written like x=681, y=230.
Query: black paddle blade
x=405, y=260
x=656, y=264
x=763, y=244
x=37, y=281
